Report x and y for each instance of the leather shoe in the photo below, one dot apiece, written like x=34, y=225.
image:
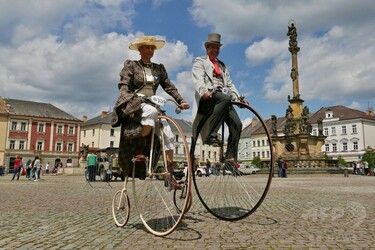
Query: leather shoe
x=213, y=141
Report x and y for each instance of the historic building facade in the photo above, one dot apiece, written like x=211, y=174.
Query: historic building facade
x=37, y=129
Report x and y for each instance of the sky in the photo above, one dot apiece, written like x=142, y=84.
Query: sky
x=69, y=53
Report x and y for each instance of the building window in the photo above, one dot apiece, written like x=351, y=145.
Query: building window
x=22, y=145
x=14, y=126
x=59, y=146
x=39, y=145
x=263, y=143
x=176, y=150
x=112, y=132
x=12, y=144
x=326, y=131
x=23, y=126
x=84, y=133
x=41, y=128
x=263, y=154
x=343, y=130
x=71, y=130
x=93, y=132
x=327, y=147
x=345, y=146
x=59, y=129
x=354, y=129
x=333, y=130
x=111, y=144
x=254, y=155
x=355, y=145
x=334, y=147
x=258, y=143
x=70, y=147
x=176, y=138
x=254, y=144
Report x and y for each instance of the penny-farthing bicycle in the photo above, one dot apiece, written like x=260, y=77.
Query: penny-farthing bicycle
x=159, y=204
x=229, y=192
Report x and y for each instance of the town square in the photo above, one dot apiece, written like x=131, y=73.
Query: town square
x=193, y=124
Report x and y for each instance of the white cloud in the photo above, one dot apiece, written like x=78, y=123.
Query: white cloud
x=337, y=44
x=265, y=50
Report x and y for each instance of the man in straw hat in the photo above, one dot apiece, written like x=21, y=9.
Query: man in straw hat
x=214, y=91
x=142, y=77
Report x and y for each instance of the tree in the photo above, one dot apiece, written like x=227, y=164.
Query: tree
x=342, y=161
x=256, y=161
x=369, y=156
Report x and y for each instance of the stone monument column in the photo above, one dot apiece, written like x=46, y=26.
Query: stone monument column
x=296, y=102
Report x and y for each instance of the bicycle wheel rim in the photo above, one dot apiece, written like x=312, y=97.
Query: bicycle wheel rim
x=230, y=193
x=120, y=208
x=153, y=196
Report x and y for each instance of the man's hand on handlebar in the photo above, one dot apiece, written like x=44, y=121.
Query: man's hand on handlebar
x=184, y=105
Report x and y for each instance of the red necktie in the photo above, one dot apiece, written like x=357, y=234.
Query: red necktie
x=216, y=66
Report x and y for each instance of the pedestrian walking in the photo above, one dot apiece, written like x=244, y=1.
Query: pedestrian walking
x=208, y=166
x=47, y=168
x=17, y=167
x=280, y=164
x=36, y=168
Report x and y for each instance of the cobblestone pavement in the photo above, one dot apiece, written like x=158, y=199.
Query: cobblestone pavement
x=299, y=212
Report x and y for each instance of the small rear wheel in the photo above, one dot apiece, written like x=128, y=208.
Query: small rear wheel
x=120, y=208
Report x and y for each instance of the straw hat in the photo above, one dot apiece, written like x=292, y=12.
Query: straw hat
x=146, y=40
x=213, y=38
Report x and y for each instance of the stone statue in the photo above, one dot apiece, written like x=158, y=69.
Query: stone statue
x=305, y=112
x=293, y=74
x=320, y=126
x=289, y=113
x=84, y=151
x=292, y=33
x=274, y=125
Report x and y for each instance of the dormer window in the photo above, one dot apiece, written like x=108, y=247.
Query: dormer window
x=329, y=114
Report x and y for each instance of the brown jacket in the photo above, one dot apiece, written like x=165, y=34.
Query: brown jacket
x=132, y=78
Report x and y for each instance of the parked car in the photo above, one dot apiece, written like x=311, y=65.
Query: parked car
x=249, y=169
x=200, y=171
x=108, y=167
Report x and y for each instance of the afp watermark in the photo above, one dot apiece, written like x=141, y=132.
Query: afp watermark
x=352, y=215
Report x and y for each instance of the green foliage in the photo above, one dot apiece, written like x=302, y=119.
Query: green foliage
x=369, y=156
x=326, y=157
x=342, y=161
x=256, y=161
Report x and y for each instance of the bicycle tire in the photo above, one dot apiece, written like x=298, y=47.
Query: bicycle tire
x=121, y=208
x=153, y=196
x=229, y=193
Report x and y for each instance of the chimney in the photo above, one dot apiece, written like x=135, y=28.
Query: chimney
x=84, y=118
x=104, y=114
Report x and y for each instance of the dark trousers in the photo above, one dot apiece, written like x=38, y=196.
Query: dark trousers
x=92, y=172
x=223, y=111
x=16, y=173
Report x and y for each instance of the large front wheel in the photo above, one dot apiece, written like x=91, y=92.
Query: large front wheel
x=154, y=196
x=236, y=187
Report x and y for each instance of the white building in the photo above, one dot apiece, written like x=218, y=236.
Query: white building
x=98, y=133
x=349, y=132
